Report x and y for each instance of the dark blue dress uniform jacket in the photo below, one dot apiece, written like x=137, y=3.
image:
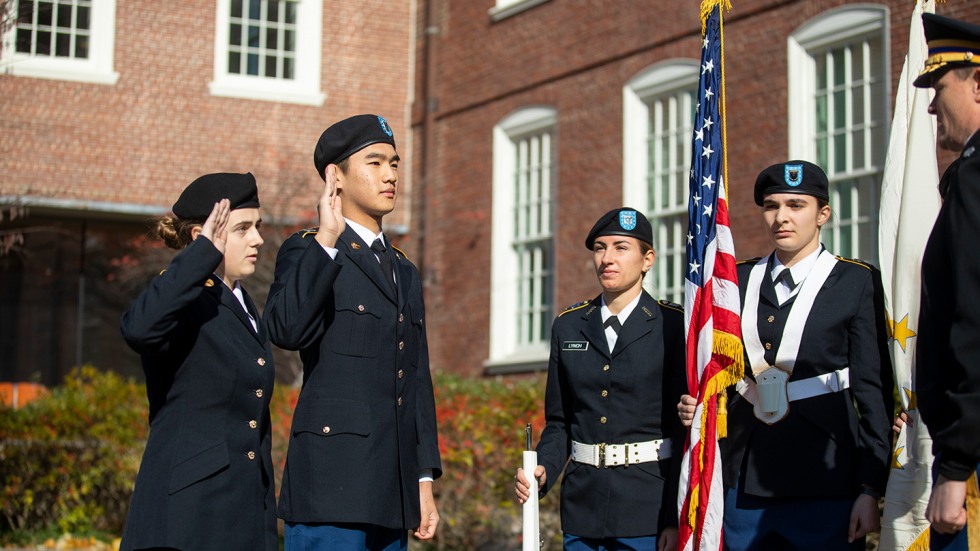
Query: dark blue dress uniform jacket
x=206, y=479
x=643, y=377
x=824, y=447
x=365, y=423
x=948, y=370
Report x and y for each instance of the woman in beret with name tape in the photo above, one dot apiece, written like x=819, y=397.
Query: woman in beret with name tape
x=616, y=369
x=806, y=458
x=206, y=480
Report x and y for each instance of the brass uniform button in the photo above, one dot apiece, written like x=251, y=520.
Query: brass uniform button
x=399, y=400
x=261, y=362
x=258, y=393
x=605, y=367
x=401, y=373
x=401, y=345
x=253, y=424
x=360, y=307
x=326, y=430
x=401, y=318
x=771, y=319
x=250, y=455
x=602, y=419
x=768, y=346
x=605, y=393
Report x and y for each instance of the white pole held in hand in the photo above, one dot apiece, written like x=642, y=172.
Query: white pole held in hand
x=532, y=537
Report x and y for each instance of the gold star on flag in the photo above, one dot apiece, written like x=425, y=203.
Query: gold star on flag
x=896, y=464
x=900, y=331
x=913, y=403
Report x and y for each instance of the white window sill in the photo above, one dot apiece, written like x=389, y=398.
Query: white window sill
x=498, y=13
x=528, y=360
x=257, y=91
x=57, y=70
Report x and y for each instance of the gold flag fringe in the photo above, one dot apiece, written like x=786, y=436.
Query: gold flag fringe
x=707, y=6
x=972, y=513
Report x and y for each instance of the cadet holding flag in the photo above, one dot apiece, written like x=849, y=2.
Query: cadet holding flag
x=948, y=370
x=808, y=429
x=616, y=369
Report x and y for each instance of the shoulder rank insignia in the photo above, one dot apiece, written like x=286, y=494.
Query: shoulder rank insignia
x=576, y=306
x=355, y=245
x=671, y=305
x=308, y=232
x=747, y=260
x=857, y=261
x=400, y=252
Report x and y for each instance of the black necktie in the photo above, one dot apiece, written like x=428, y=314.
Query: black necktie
x=786, y=277
x=379, y=249
x=613, y=321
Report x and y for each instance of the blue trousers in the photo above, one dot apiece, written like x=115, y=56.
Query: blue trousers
x=949, y=542
x=344, y=537
x=641, y=543
x=787, y=524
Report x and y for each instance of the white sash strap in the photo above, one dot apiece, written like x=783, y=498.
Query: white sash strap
x=789, y=344
x=827, y=383
x=612, y=455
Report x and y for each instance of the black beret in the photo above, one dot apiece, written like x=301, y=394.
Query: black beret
x=792, y=177
x=621, y=221
x=349, y=136
x=198, y=199
x=952, y=43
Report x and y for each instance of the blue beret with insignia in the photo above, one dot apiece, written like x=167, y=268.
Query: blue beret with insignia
x=622, y=221
x=802, y=177
x=349, y=136
x=952, y=43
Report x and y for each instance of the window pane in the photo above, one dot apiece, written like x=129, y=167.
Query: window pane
x=235, y=34
x=236, y=8
x=840, y=153
x=839, y=72
x=254, y=9
x=81, y=46
x=45, y=13
x=271, y=38
x=253, y=64
x=24, y=40
x=287, y=68
x=820, y=63
x=235, y=63
x=272, y=14
x=253, y=37
x=83, y=23
x=25, y=13
x=64, y=16
x=290, y=12
x=290, y=45
x=62, y=45
x=270, y=66
x=43, y=43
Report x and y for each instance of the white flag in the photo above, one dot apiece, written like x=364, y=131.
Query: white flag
x=909, y=205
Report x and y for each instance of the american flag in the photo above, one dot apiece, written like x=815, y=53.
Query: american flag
x=711, y=300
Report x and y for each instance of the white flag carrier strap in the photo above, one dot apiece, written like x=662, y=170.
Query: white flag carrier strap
x=789, y=342
x=827, y=383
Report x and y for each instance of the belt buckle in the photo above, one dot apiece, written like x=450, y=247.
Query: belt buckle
x=602, y=454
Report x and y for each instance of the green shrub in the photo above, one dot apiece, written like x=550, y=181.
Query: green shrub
x=68, y=460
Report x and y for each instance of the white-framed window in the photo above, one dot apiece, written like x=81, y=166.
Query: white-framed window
x=268, y=50
x=839, y=100
x=61, y=40
x=522, y=239
x=658, y=110
x=503, y=9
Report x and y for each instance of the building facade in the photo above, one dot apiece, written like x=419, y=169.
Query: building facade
x=108, y=109
x=540, y=115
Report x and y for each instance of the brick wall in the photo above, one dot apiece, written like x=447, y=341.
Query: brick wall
x=143, y=139
x=576, y=56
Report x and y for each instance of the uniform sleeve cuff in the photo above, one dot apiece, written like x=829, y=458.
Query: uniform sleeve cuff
x=426, y=474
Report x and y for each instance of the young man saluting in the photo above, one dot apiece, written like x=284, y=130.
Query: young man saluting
x=363, y=450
